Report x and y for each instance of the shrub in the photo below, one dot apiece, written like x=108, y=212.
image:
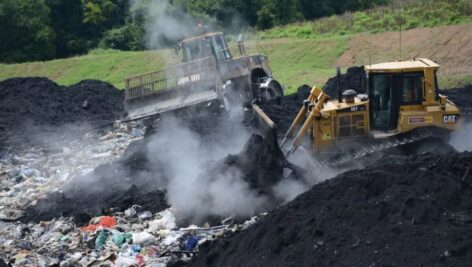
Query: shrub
x=128, y=37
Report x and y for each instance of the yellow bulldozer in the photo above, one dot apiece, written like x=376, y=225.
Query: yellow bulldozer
x=402, y=106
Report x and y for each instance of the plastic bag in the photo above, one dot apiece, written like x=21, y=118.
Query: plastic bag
x=105, y=222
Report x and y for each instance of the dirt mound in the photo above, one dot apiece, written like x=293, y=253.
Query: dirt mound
x=260, y=163
x=283, y=111
x=462, y=97
x=400, y=211
x=354, y=79
x=31, y=105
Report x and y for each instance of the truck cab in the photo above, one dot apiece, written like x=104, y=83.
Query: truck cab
x=210, y=44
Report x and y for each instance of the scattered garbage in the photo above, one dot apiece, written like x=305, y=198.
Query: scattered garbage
x=109, y=240
x=27, y=177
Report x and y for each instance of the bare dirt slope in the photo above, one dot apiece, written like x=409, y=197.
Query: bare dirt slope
x=450, y=46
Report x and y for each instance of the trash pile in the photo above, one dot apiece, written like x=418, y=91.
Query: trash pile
x=26, y=178
x=401, y=211
x=134, y=237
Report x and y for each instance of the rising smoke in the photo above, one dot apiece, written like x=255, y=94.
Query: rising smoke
x=193, y=187
x=292, y=186
x=461, y=139
x=163, y=22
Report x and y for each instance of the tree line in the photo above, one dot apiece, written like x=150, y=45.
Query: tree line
x=34, y=30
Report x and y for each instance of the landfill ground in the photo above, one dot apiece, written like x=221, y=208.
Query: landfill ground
x=77, y=189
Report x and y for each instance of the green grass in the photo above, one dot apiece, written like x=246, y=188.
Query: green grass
x=457, y=80
x=419, y=13
x=108, y=65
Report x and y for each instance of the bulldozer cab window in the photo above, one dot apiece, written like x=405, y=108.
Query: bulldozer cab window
x=221, y=48
x=412, y=88
x=197, y=49
x=382, y=101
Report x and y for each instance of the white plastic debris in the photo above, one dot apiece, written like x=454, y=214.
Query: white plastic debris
x=166, y=221
x=145, y=215
x=131, y=212
x=143, y=238
x=125, y=262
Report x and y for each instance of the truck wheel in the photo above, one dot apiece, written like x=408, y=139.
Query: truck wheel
x=232, y=100
x=272, y=91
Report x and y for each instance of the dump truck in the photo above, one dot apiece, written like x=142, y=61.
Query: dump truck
x=208, y=76
x=401, y=106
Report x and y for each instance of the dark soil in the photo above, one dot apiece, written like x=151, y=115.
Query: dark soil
x=282, y=112
x=354, y=78
x=261, y=164
x=462, y=97
x=30, y=106
x=401, y=211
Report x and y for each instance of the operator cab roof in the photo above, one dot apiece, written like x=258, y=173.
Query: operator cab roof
x=202, y=36
x=416, y=64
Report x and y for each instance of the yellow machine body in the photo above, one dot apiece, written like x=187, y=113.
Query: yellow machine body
x=402, y=97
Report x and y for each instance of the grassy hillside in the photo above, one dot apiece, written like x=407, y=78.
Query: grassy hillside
x=399, y=14
x=308, y=52
x=107, y=65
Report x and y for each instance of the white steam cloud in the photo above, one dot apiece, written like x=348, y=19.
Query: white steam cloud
x=462, y=140
x=290, y=187
x=163, y=22
x=193, y=188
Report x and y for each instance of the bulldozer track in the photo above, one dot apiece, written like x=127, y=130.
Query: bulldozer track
x=369, y=149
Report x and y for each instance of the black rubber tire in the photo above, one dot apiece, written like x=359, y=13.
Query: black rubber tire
x=273, y=91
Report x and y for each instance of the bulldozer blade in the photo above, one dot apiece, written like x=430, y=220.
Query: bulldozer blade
x=266, y=128
x=264, y=125
x=155, y=106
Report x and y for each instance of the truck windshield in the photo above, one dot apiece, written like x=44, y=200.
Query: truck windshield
x=197, y=49
x=221, y=48
x=381, y=100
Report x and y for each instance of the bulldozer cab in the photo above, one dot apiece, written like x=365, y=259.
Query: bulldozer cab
x=210, y=44
x=399, y=84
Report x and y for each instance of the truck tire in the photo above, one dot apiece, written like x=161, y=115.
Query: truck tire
x=232, y=99
x=272, y=91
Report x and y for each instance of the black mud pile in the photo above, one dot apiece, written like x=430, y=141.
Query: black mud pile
x=30, y=106
x=260, y=162
x=283, y=111
x=354, y=79
x=462, y=97
x=401, y=211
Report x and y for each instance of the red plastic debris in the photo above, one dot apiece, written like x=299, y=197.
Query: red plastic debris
x=105, y=222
